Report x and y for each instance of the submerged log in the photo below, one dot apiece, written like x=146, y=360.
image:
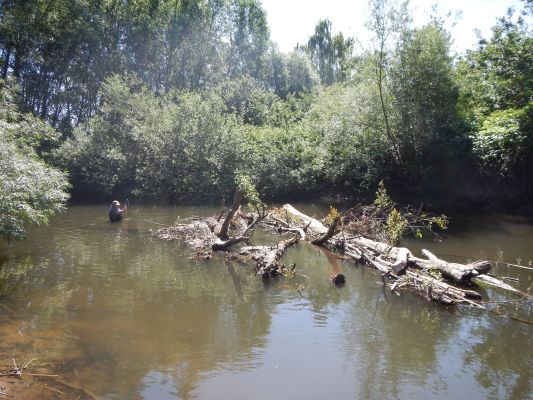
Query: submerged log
x=338, y=279
x=491, y=281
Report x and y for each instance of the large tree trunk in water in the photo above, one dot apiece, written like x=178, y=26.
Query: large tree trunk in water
x=457, y=272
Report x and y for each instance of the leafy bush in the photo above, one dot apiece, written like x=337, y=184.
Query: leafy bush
x=351, y=143
x=502, y=143
x=172, y=147
x=30, y=190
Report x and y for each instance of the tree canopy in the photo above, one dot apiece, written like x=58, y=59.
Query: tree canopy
x=170, y=99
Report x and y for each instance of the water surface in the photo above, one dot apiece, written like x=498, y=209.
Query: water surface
x=125, y=316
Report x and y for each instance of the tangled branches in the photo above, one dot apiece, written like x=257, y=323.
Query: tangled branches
x=383, y=221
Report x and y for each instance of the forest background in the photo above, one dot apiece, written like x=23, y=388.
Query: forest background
x=170, y=100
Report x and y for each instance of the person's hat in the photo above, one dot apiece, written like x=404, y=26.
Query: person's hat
x=115, y=203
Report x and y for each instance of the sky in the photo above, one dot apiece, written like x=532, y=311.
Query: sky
x=293, y=21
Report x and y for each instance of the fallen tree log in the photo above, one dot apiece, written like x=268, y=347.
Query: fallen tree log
x=267, y=258
x=312, y=223
x=456, y=272
x=393, y=261
x=491, y=281
x=417, y=281
x=332, y=230
x=399, y=268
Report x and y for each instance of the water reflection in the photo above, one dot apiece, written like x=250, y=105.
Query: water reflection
x=502, y=358
x=126, y=316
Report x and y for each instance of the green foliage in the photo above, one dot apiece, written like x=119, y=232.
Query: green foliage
x=63, y=51
x=391, y=224
x=502, y=142
x=281, y=160
x=30, y=190
x=174, y=147
x=168, y=99
x=396, y=226
x=383, y=199
x=495, y=100
x=435, y=274
x=245, y=183
x=352, y=147
x=245, y=97
x=302, y=76
x=424, y=94
x=332, y=216
x=331, y=54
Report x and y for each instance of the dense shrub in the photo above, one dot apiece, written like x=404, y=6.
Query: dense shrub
x=30, y=190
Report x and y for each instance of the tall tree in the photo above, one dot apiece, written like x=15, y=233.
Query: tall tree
x=424, y=94
x=61, y=51
x=248, y=37
x=330, y=54
x=388, y=18
x=496, y=92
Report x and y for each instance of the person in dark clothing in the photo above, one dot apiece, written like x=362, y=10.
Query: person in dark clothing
x=115, y=212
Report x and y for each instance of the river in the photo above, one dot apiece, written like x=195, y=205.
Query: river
x=122, y=315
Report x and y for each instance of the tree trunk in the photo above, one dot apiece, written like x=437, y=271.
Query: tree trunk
x=6, y=63
x=19, y=57
x=332, y=230
x=267, y=258
x=457, y=272
x=312, y=223
x=223, y=234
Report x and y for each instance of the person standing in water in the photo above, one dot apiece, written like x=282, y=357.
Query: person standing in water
x=115, y=212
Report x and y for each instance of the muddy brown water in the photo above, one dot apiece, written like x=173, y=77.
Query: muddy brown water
x=123, y=315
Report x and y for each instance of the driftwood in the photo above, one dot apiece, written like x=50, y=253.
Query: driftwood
x=430, y=277
x=332, y=230
x=385, y=258
x=312, y=224
x=457, y=272
x=400, y=269
x=267, y=258
x=207, y=235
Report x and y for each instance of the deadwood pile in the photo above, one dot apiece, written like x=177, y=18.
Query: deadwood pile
x=431, y=277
